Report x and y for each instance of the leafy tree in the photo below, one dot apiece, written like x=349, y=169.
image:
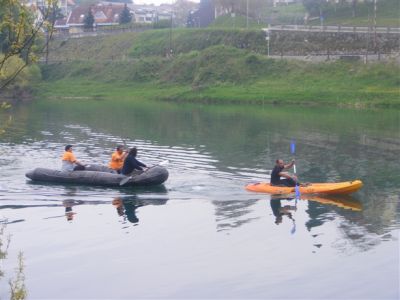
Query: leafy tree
x=315, y=7
x=242, y=7
x=88, y=21
x=125, y=16
x=181, y=11
x=20, y=30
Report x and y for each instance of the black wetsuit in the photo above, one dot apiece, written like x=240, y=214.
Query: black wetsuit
x=276, y=179
x=130, y=164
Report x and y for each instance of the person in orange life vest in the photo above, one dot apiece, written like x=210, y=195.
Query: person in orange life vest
x=117, y=159
x=69, y=161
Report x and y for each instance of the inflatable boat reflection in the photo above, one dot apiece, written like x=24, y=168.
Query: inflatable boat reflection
x=126, y=207
x=68, y=204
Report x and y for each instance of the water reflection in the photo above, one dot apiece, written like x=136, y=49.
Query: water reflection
x=68, y=204
x=280, y=211
x=342, y=201
x=212, y=151
x=127, y=206
x=318, y=214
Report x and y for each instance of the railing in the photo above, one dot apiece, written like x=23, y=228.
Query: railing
x=98, y=32
x=347, y=29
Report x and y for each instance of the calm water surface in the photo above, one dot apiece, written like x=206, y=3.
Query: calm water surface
x=201, y=234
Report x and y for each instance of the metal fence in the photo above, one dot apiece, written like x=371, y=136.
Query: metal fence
x=98, y=32
x=338, y=29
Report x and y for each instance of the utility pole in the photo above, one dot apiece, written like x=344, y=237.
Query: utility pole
x=375, y=37
x=247, y=14
x=170, y=37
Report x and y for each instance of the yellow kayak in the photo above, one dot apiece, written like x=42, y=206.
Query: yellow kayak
x=346, y=187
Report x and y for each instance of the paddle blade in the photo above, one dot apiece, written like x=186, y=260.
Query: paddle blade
x=297, y=192
x=125, y=180
x=293, y=230
x=293, y=147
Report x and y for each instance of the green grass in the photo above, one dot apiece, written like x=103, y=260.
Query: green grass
x=128, y=46
x=236, y=22
x=157, y=42
x=387, y=14
x=224, y=74
x=282, y=14
x=219, y=65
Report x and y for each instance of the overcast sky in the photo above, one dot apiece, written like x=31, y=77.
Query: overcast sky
x=157, y=2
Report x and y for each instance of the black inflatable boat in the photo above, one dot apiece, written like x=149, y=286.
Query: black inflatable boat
x=100, y=175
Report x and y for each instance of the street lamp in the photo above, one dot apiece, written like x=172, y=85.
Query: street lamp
x=267, y=38
x=170, y=36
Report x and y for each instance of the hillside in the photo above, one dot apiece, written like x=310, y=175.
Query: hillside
x=154, y=43
x=209, y=65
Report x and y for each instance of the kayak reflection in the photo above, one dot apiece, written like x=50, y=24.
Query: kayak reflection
x=342, y=201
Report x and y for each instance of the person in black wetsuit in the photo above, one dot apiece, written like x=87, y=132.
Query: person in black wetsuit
x=131, y=163
x=277, y=173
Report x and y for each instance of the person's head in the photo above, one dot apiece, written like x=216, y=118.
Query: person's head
x=133, y=152
x=120, y=149
x=279, y=162
x=68, y=148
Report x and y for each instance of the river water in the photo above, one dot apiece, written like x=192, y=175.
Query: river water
x=201, y=234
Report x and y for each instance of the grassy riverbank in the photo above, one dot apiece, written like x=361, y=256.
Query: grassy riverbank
x=209, y=66
x=224, y=74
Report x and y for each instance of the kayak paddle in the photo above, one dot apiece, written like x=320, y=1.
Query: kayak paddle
x=293, y=150
x=126, y=179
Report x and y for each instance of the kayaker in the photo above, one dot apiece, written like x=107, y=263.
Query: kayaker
x=117, y=159
x=289, y=180
x=131, y=163
x=69, y=161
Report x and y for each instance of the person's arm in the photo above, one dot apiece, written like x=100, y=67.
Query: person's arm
x=138, y=165
x=75, y=161
x=124, y=155
x=142, y=164
x=288, y=166
x=288, y=176
x=284, y=174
